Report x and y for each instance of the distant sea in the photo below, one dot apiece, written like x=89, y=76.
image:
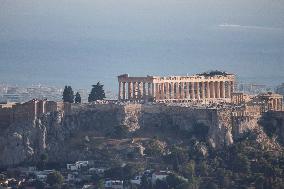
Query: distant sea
x=83, y=63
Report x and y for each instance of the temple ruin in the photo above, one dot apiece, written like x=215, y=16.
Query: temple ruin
x=200, y=87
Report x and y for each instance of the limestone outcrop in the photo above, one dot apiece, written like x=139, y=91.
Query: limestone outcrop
x=102, y=131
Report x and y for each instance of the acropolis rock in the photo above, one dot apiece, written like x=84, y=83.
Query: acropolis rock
x=62, y=136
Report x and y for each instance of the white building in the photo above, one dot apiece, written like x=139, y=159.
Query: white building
x=114, y=184
x=160, y=175
x=77, y=165
x=136, y=180
x=72, y=167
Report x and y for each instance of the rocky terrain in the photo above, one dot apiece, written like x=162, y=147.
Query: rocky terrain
x=114, y=133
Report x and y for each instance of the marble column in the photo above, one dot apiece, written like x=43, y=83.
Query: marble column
x=138, y=90
x=175, y=90
x=192, y=96
x=217, y=89
x=130, y=91
x=229, y=90
x=172, y=90
x=213, y=89
x=226, y=95
x=119, y=90
x=223, y=89
x=166, y=90
x=162, y=91
x=134, y=90
x=232, y=87
x=144, y=90
x=154, y=90
x=187, y=90
x=202, y=90
x=157, y=89
x=149, y=89
x=123, y=90
x=207, y=90
x=181, y=90
x=274, y=104
x=197, y=87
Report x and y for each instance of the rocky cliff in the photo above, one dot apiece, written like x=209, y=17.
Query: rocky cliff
x=111, y=131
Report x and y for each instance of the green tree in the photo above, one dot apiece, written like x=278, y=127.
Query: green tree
x=42, y=161
x=55, y=179
x=101, y=184
x=145, y=183
x=189, y=169
x=161, y=184
x=200, y=130
x=177, y=157
x=77, y=98
x=119, y=132
x=212, y=185
x=174, y=181
x=39, y=185
x=97, y=93
x=203, y=169
x=259, y=182
x=154, y=148
x=68, y=94
x=242, y=163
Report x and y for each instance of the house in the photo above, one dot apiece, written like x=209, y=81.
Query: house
x=72, y=176
x=159, y=175
x=88, y=186
x=77, y=165
x=81, y=164
x=114, y=184
x=136, y=180
x=72, y=167
x=41, y=177
x=98, y=171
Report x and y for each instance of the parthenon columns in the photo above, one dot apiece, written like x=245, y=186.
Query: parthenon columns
x=202, y=90
x=212, y=89
x=207, y=90
x=222, y=89
x=130, y=89
x=187, y=90
x=177, y=88
x=192, y=95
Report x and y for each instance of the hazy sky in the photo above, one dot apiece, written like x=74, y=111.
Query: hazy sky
x=79, y=42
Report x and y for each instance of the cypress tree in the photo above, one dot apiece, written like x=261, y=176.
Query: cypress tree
x=68, y=94
x=97, y=93
x=77, y=98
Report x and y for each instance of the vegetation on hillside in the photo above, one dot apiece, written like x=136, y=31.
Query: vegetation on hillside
x=97, y=93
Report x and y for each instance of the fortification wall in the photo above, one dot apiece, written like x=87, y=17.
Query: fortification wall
x=61, y=135
x=5, y=118
x=29, y=111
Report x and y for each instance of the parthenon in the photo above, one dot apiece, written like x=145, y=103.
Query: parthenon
x=200, y=87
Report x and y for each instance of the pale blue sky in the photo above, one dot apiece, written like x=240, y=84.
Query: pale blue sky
x=79, y=42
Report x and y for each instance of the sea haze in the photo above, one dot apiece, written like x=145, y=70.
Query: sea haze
x=82, y=42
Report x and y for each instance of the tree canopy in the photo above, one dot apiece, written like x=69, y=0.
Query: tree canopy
x=55, y=179
x=97, y=93
x=68, y=94
x=77, y=98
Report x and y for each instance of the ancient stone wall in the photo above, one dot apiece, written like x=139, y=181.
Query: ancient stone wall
x=30, y=111
x=62, y=135
x=273, y=121
x=5, y=118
